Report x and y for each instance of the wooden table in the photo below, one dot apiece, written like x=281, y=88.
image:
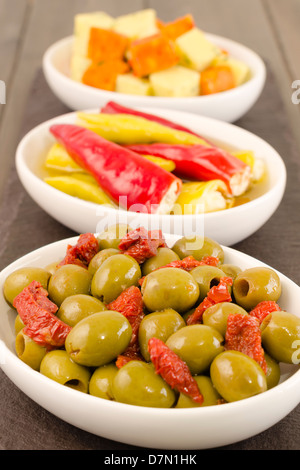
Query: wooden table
x=27, y=28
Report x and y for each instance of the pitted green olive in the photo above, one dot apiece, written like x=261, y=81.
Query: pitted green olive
x=255, y=285
x=58, y=366
x=198, y=247
x=100, y=384
x=137, y=383
x=207, y=277
x=230, y=270
x=159, y=325
x=237, y=376
x=197, y=345
x=163, y=257
x=21, y=278
x=170, y=288
x=216, y=315
x=76, y=307
x=100, y=257
x=99, y=338
x=207, y=390
x=273, y=371
x=280, y=334
x=68, y=280
x=29, y=351
x=111, y=237
x=114, y=276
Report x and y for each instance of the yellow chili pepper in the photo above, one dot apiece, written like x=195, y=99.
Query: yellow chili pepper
x=162, y=162
x=127, y=129
x=58, y=159
x=202, y=197
x=82, y=186
x=257, y=165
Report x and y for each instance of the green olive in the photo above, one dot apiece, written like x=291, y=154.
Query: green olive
x=273, y=371
x=216, y=315
x=198, y=247
x=159, y=325
x=280, y=334
x=255, y=285
x=21, y=278
x=114, y=276
x=68, y=280
x=29, y=351
x=57, y=365
x=197, y=345
x=230, y=270
x=19, y=325
x=208, y=391
x=237, y=376
x=100, y=257
x=101, y=381
x=164, y=256
x=136, y=383
x=170, y=288
x=53, y=267
x=99, y=338
x=207, y=277
x=111, y=237
x=76, y=307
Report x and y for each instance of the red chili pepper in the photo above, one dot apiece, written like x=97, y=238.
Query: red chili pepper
x=173, y=369
x=130, y=304
x=38, y=315
x=216, y=294
x=200, y=162
x=243, y=334
x=141, y=244
x=114, y=108
x=129, y=179
x=263, y=309
x=81, y=253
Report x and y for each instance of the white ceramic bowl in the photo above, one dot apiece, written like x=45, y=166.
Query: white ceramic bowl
x=227, y=106
x=193, y=428
x=227, y=227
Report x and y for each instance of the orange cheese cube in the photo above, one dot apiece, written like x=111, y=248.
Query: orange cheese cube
x=104, y=75
x=152, y=54
x=106, y=45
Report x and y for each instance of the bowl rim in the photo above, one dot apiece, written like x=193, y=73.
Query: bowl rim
x=169, y=413
x=258, y=70
x=278, y=186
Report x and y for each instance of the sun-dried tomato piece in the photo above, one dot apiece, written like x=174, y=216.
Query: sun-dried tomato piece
x=263, y=309
x=216, y=294
x=141, y=244
x=173, y=369
x=130, y=304
x=37, y=313
x=132, y=353
x=82, y=252
x=243, y=335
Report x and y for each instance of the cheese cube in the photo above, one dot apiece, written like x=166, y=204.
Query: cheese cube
x=130, y=84
x=83, y=23
x=239, y=69
x=177, y=81
x=78, y=66
x=195, y=50
x=137, y=25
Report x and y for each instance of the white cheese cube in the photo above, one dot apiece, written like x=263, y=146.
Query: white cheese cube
x=195, y=50
x=137, y=25
x=129, y=84
x=83, y=23
x=177, y=81
x=78, y=67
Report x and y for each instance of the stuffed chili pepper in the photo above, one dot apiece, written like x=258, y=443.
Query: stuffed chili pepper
x=125, y=129
x=115, y=108
x=127, y=178
x=200, y=162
